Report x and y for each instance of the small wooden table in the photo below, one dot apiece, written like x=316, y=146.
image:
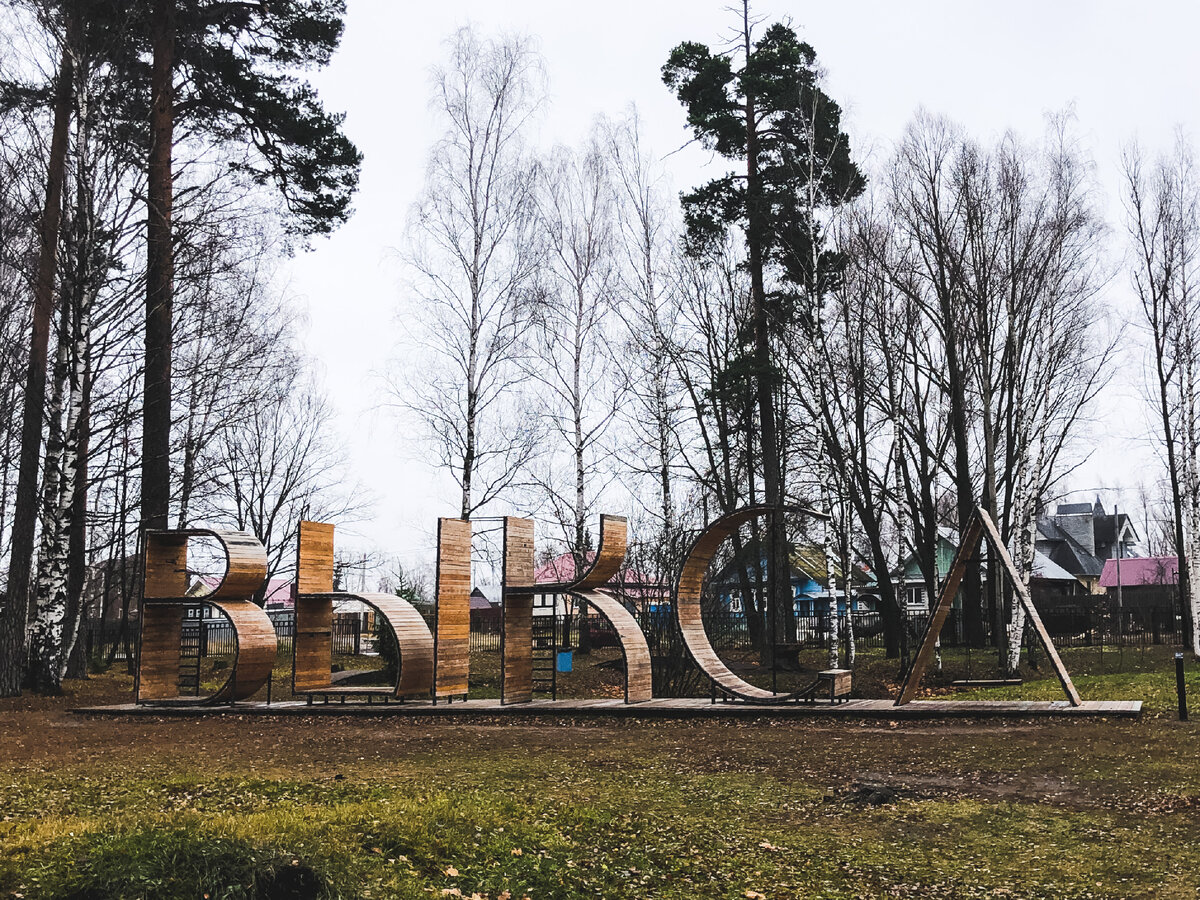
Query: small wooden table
x=839, y=681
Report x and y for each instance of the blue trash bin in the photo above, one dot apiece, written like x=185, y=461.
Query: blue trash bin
x=565, y=660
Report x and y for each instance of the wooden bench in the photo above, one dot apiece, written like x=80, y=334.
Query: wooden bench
x=370, y=692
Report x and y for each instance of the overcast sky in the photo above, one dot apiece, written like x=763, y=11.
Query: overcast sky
x=1127, y=70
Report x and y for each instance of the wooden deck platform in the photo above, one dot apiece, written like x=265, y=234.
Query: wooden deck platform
x=656, y=709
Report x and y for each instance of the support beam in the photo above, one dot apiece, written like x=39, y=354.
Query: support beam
x=979, y=527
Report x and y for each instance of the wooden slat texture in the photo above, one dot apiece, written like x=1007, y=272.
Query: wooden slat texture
x=453, y=607
x=165, y=565
x=981, y=526
x=638, y=673
x=314, y=558
x=516, y=645
x=414, y=639
x=312, y=652
x=254, y=652
x=246, y=565
x=315, y=597
x=610, y=555
x=312, y=648
x=688, y=590
x=158, y=657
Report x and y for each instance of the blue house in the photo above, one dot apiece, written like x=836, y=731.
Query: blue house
x=809, y=580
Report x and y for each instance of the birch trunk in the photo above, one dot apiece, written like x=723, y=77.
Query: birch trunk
x=831, y=579
x=49, y=609
x=1191, y=479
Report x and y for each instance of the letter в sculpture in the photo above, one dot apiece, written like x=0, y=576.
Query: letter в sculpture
x=315, y=598
x=165, y=596
x=687, y=605
x=588, y=587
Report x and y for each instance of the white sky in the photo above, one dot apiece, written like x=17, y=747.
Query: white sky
x=1128, y=70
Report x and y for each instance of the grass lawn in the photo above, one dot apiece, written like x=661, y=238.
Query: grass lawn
x=251, y=807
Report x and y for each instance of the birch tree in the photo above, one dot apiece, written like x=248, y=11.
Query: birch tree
x=572, y=362
x=1163, y=211
x=1000, y=251
x=647, y=305
x=472, y=251
x=13, y=645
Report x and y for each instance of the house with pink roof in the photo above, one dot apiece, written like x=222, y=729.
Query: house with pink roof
x=1143, y=581
x=634, y=588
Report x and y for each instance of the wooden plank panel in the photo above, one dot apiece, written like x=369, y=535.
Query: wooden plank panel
x=516, y=644
x=255, y=651
x=414, y=676
x=166, y=577
x=312, y=646
x=415, y=641
x=639, y=679
x=610, y=554
x=158, y=657
x=314, y=558
x=245, y=564
x=165, y=565
x=452, y=645
x=606, y=564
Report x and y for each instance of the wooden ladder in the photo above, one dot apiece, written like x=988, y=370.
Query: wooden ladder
x=191, y=649
x=545, y=652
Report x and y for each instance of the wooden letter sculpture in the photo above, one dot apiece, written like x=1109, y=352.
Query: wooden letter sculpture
x=165, y=596
x=588, y=588
x=979, y=527
x=688, y=590
x=516, y=612
x=453, y=633
x=314, y=624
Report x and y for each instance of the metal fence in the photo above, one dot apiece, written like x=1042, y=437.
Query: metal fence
x=1070, y=625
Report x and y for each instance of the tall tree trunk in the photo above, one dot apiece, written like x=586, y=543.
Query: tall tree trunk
x=75, y=492
x=160, y=274
x=45, y=628
x=778, y=587
x=828, y=536
x=13, y=654
x=77, y=613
